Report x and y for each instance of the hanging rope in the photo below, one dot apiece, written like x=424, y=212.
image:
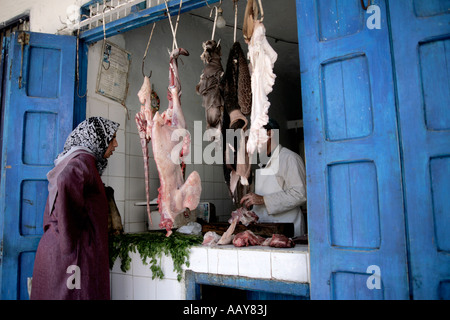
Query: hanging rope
x=235, y=17
x=146, y=51
x=174, y=31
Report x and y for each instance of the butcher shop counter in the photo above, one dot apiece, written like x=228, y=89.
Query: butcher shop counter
x=278, y=265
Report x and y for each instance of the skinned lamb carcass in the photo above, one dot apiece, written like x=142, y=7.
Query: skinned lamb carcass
x=262, y=58
x=175, y=194
x=143, y=119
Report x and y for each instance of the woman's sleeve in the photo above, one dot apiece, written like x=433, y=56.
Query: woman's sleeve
x=69, y=205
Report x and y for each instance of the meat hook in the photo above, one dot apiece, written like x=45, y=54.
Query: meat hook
x=262, y=11
x=146, y=51
x=207, y=4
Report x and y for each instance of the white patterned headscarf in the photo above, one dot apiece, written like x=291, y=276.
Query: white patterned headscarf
x=93, y=135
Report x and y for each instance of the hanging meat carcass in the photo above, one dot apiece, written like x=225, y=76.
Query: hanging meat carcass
x=236, y=86
x=209, y=85
x=143, y=119
x=175, y=194
x=251, y=12
x=262, y=59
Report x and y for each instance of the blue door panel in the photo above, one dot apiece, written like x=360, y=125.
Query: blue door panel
x=353, y=164
x=422, y=65
x=38, y=117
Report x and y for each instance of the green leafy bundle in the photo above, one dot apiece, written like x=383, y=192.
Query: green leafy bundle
x=152, y=245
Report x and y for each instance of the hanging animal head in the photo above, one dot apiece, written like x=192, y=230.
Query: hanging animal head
x=211, y=49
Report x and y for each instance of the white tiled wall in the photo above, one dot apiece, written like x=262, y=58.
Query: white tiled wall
x=125, y=171
x=253, y=262
x=97, y=105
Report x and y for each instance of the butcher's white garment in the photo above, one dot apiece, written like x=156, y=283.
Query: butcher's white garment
x=283, y=184
x=262, y=58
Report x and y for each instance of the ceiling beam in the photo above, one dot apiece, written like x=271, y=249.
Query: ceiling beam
x=141, y=18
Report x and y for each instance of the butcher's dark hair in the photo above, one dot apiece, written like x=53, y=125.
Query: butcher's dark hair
x=272, y=124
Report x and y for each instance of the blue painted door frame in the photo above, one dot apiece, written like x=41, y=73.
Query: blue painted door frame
x=421, y=51
x=355, y=206
x=38, y=117
x=376, y=120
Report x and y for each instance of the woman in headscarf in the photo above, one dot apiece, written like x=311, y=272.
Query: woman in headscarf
x=72, y=257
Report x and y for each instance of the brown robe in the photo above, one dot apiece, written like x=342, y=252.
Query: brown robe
x=75, y=235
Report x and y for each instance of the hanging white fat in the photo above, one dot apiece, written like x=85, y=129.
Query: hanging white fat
x=262, y=59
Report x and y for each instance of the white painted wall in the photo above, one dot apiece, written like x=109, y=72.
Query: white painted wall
x=44, y=14
x=115, y=174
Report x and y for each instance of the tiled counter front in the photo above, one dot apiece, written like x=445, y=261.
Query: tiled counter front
x=252, y=262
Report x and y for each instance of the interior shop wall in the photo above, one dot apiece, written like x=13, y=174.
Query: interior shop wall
x=44, y=15
x=125, y=172
x=192, y=31
x=115, y=174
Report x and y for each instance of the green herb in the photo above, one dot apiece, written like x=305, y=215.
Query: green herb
x=152, y=245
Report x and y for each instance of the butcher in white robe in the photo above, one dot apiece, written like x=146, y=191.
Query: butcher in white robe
x=280, y=187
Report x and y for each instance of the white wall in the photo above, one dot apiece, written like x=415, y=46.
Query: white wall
x=44, y=14
x=115, y=174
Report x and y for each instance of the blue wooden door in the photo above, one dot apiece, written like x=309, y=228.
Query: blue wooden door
x=356, y=216
x=421, y=46
x=38, y=117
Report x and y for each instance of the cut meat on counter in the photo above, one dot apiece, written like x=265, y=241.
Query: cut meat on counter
x=244, y=216
x=247, y=238
x=228, y=236
x=210, y=238
x=279, y=241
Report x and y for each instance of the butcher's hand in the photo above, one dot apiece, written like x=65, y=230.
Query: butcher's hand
x=252, y=198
